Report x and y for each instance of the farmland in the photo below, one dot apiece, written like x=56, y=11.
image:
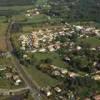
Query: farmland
x=14, y=2
x=3, y=28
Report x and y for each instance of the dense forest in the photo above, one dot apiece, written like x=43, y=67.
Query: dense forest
x=76, y=9
x=68, y=10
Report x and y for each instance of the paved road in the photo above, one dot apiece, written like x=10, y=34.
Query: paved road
x=34, y=88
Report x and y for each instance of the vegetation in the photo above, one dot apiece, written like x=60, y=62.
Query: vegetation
x=3, y=27
x=14, y=2
x=75, y=9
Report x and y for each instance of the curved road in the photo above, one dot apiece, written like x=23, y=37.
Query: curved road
x=34, y=88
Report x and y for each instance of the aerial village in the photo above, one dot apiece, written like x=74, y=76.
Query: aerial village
x=49, y=49
x=46, y=40
x=75, y=64
x=9, y=72
x=55, y=40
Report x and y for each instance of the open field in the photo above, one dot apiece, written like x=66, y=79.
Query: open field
x=92, y=41
x=3, y=28
x=5, y=84
x=8, y=97
x=41, y=78
x=13, y=10
x=18, y=8
x=15, y=2
x=55, y=58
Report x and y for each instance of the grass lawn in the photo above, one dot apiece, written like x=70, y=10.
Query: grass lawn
x=56, y=60
x=41, y=78
x=5, y=84
x=93, y=41
x=4, y=62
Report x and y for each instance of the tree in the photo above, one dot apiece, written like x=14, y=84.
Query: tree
x=48, y=61
x=16, y=27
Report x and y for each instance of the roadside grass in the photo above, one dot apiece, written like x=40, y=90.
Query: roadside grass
x=2, y=44
x=5, y=61
x=3, y=27
x=5, y=84
x=8, y=97
x=42, y=79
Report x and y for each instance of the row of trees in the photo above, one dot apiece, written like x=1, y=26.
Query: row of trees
x=75, y=9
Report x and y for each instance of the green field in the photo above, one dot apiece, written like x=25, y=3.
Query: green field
x=56, y=60
x=5, y=84
x=92, y=41
x=15, y=2
x=40, y=78
x=3, y=27
x=18, y=8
